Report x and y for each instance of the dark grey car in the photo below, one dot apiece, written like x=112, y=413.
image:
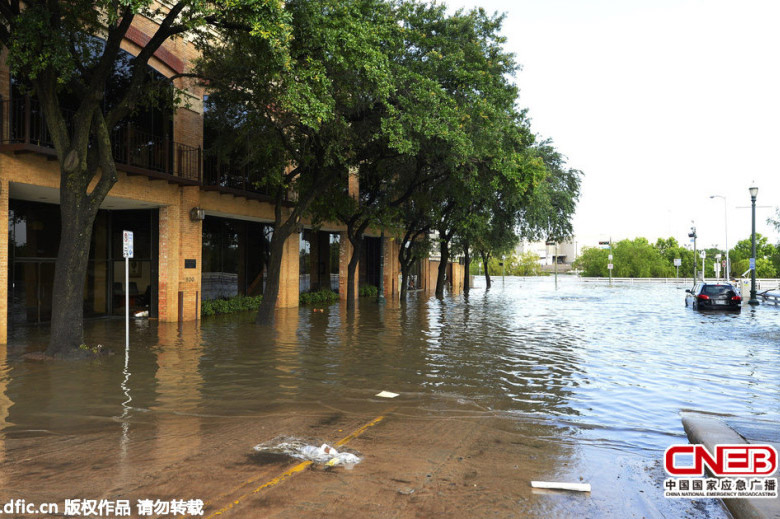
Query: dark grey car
x=714, y=296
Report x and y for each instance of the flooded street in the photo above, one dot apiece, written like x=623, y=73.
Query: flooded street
x=582, y=383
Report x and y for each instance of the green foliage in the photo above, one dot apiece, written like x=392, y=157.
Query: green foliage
x=229, y=306
x=549, y=211
x=368, y=291
x=741, y=253
x=320, y=297
x=524, y=264
x=764, y=267
x=631, y=259
x=593, y=262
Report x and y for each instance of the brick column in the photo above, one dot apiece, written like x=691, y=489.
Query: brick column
x=168, y=261
x=190, y=248
x=392, y=268
x=3, y=261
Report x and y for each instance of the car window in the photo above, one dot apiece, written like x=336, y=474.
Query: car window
x=717, y=290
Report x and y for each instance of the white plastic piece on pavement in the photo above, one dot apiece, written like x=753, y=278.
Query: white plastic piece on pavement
x=387, y=394
x=295, y=448
x=577, y=487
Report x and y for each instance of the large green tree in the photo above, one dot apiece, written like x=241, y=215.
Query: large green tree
x=71, y=49
x=742, y=252
x=304, y=120
x=635, y=258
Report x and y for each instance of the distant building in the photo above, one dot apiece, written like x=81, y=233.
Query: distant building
x=564, y=254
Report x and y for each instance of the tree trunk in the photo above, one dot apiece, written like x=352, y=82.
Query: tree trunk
x=404, y=281
x=267, y=308
x=70, y=271
x=485, y=260
x=78, y=209
x=357, y=248
x=444, y=247
x=467, y=267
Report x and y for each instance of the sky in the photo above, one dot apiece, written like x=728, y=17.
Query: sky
x=661, y=104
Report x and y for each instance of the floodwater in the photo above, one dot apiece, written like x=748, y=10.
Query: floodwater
x=521, y=382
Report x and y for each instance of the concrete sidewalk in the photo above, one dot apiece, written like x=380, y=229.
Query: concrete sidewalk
x=710, y=430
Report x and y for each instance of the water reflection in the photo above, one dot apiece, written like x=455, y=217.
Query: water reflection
x=612, y=364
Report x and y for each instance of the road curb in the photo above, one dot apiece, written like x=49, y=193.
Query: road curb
x=709, y=431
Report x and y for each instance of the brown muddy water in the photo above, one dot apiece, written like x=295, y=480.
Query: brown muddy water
x=582, y=383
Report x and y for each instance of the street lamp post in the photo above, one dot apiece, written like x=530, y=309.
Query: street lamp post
x=727, y=273
x=692, y=235
x=753, y=194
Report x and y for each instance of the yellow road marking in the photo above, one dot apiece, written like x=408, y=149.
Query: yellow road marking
x=291, y=472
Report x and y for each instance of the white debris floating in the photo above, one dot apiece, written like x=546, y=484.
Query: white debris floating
x=551, y=485
x=295, y=448
x=386, y=394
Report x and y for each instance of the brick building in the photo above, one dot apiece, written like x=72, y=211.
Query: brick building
x=163, y=177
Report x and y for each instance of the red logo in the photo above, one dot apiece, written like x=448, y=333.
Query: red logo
x=729, y=460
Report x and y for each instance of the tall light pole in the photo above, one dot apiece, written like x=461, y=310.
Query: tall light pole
x=727, y=273
x=753, y=301
x=692, y=235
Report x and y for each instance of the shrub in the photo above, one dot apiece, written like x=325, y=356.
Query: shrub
x=229, y=306
x=320, y=297
x=368, y=291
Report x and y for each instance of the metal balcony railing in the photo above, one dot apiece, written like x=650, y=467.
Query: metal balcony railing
x=225, y=176
x=23, y=127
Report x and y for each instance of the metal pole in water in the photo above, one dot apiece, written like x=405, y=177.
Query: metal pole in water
x=753, y=301
x=127, y=252
x=127, y=302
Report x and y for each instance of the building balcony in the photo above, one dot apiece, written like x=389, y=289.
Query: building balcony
x=23, y=130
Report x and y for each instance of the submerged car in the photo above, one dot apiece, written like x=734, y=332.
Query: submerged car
x=714, y=296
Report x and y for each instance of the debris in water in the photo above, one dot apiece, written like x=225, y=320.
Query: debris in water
x=387, y=394
x=577, y=487
x=299, y=449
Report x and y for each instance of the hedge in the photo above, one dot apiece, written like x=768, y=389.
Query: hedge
x=229, y=306
x=321, y=297
x=368, y=291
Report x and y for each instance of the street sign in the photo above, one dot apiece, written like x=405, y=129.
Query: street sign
x=609, y=257
x=723, y=263
x=677, y=262
x=752, y=263
x=609, y=266
x=703, y=255
x=127, y=244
